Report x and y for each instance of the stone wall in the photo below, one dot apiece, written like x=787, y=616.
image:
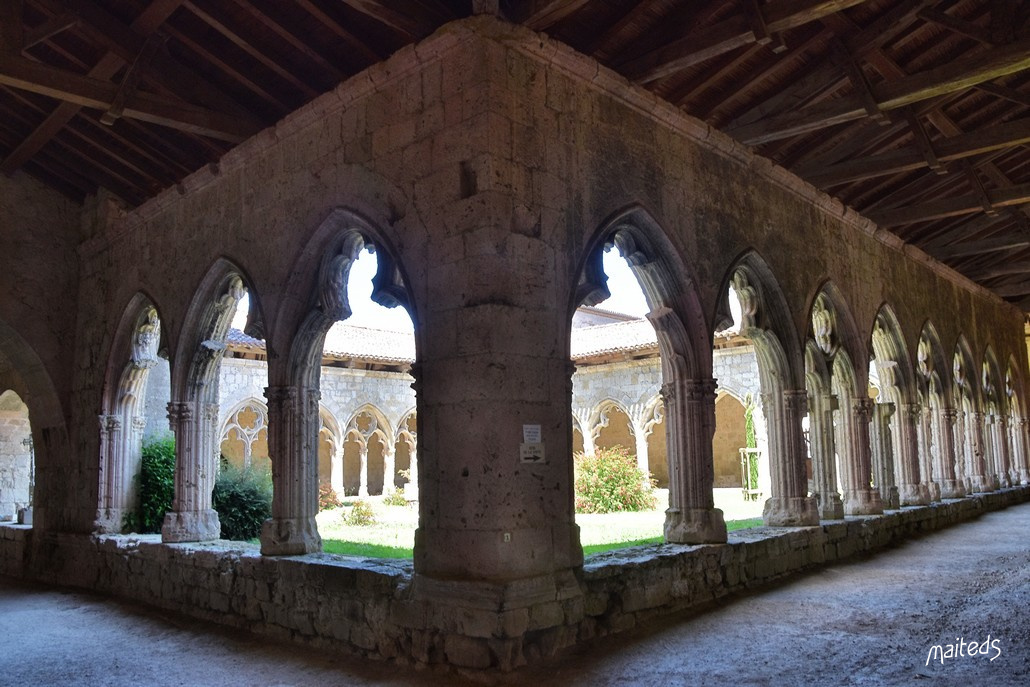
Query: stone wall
x=372, y=608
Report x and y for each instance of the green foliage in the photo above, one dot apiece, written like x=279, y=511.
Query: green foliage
x=156, y=482
x=731, y=525
x=327, y=497
x=243, y=499
x=361, y=514
x=349, y=548
x=749, y=422
x=610, y=481
x=395, y=498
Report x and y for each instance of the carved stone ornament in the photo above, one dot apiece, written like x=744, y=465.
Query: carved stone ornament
x=822, y=327
x=748, y=297
x=146, y=340
x=988, y=385
x=959, y=371
x=924, y=357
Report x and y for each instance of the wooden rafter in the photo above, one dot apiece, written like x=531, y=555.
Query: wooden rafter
x=949, y=207
x=892, y=95
x=540, y=14
x=414, y=20
x=981, y=247
x=84, y=91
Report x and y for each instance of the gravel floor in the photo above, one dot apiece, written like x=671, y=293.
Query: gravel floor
x=871, y=622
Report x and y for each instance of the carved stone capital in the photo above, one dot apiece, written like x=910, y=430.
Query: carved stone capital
x=796, y=400
x=862, y=409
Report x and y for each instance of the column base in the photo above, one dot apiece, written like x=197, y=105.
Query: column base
x=1024, y=477
x=977, y=484
x=831, y=507
x=109, y=521
x=794, y=511
x=1003, y=481
x=695, y=526
x=187, y=526
x=935, y=491
x=914, y=495
x=891, y=499
x=290, y=537
x=863, y=502
x=952, y=489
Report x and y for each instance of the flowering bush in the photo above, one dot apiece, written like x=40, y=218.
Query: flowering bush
x=610, y=481
x=327, y=497
x=361, y=514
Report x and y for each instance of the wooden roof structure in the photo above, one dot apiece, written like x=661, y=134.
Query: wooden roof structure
x=914, y=112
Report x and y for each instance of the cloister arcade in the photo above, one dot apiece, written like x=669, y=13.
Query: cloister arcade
x=488, y=210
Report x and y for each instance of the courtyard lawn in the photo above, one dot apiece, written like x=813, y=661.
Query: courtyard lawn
x=393, y=534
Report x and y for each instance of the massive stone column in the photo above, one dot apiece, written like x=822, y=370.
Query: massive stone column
x=789, y=505
x=692, y=517
x=860, y=498
x=196, y=465
x=951, y=486
x=1001, y=443
x=1023, y=444
x=912, y=491
x=883, y=454
x=293, y=448
x=824, y=468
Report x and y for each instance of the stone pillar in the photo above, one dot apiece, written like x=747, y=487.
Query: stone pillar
x=640, y=445
x=692, y=517
x=293, y=448
x=1001, y=443
x=1023, y=443
x=927, y=450
x=951, y=487
x=978, y=481
x=363, y=467
x=336, y=466
x=411, y=488
x=789, y=505
x=824, y=468
x=109, y=513
x=962, y=451
x=883, y=454
x=196, y=464
x=389, y=466
x=861, y=498
x=912, y=491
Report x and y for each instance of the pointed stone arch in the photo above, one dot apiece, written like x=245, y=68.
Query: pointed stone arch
x=900, y=464
x=366, y=425
x=937, y=426
x=139, y=339
x=406, y=443
x=995, y=406
x=766, y=320
x=685, y=348
x=969, y=434
x=247, y=423
x=316, y=297
x=1018, y=434
x=193, y=410
x=331, y=439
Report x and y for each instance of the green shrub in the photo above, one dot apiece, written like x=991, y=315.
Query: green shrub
x=327, y=497
x=610, y=481
x=395, y=498
x=361, y=514
x=156, y=482
x=243, y=499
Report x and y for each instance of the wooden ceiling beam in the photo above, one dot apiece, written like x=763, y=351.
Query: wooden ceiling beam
x=729, y=34
x=955, y=76
x=960, y=250
x=50, y=28
x=828, y=77
x=409, y=18
x=296, y=43
x=1005, y=93
x=84, y=91
x=367, y=54
x=956, y=25
x=1006, y=270
x=537, y=14
x=249, y=49
x=146, y=23
x=992, y=138
x=950, y=207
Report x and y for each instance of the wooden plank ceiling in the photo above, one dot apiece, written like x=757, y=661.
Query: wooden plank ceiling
x=914, y=112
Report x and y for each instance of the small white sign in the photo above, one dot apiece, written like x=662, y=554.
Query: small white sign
x=532, y=452
x=531, y=434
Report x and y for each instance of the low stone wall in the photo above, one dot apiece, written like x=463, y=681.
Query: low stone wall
x=377, y=608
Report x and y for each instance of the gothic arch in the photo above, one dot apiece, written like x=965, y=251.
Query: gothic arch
x=969, y=435
x=996, y=445
x=139, y=339
x=766, y=320
x=236, y=427
x=367, y=426
x=899, y=466
x=316, y=297
x=1018, y=437
x=406, y=443
x=937, y=426
x=193, y=410
x=685, y=347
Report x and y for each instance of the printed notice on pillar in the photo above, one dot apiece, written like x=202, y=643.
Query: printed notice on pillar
x=531, y=434
x=532, y=452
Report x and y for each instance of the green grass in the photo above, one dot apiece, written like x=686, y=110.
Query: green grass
x=347, y=548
